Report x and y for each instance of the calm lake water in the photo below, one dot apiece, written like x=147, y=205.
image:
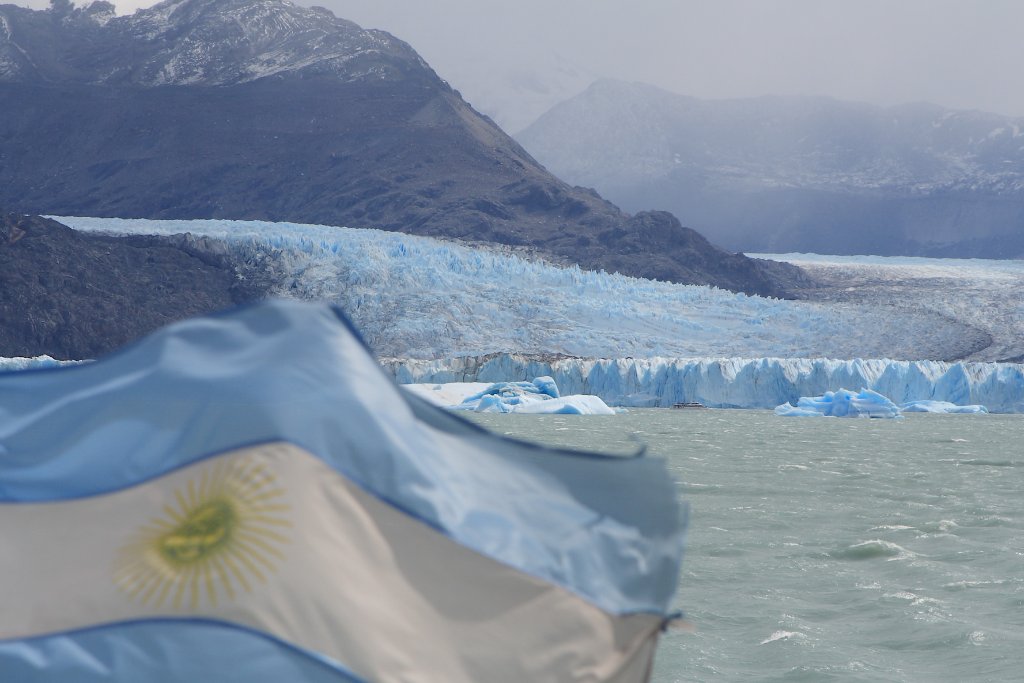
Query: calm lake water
x=834, y=549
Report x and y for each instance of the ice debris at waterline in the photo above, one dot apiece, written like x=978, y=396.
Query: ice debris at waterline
x=34, y=363
x=540, y=396
x=735, y=382
x=940, y=407
x=841, y=403
x=867, y=403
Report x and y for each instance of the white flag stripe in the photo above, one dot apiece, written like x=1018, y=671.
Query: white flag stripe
x=321, y=564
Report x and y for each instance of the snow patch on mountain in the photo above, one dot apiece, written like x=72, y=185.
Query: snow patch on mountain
x=209, y=42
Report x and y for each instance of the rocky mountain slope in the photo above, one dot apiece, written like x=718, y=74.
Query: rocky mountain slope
x=261, y=109
x=780, y=174
x=75, y=295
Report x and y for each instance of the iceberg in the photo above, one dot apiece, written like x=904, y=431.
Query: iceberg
x=841, y=403
x=940, y=407
x=789, y=410
x=539, y=396
x=568, y=405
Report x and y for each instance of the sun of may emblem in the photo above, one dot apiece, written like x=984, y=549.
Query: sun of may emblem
x=225, y=530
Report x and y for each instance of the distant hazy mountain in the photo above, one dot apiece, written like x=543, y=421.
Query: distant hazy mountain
x=515, y=96
x=785, y=174
x=262, y=109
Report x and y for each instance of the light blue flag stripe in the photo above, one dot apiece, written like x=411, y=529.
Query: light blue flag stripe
x=164, y=651
x=608, y=529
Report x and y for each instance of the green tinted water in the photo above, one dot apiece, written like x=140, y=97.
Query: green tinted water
x=834, y=549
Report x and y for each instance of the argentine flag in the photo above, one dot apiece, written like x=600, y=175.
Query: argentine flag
x=249, y=497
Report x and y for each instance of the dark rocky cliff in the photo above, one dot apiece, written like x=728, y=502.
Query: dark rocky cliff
x=75, y=295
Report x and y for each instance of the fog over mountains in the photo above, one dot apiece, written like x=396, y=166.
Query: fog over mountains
x=782, y=174
x=261, y=109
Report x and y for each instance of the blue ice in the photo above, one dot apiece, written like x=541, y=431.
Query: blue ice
x=841, y=403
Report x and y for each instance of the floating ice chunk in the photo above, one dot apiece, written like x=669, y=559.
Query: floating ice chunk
x=842, y=403
x=541, y=396
x=514, y=392
x=546, y=385
x=788, y=410
x=567, y=405
x=492, y=404
x=940, y=407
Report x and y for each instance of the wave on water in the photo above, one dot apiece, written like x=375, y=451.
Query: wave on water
x=993, y=520
x=783, y=635
x=966, y=584
x=913, y=598
x=983, y=462
x=875, y=548
x=693, y=487
x=943, y=525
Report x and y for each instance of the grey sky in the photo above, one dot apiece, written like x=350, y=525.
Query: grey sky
x=515, y=59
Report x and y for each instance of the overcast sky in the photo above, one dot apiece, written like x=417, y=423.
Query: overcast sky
x=515, y=58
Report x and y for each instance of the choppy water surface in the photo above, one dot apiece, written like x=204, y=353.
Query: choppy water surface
x=834, y=549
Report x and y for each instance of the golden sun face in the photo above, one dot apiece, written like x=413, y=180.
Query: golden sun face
x=221, y=533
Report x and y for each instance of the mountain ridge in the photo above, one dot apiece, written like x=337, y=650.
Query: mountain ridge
x=189, y=42
x=781, y=173
x=296, y=115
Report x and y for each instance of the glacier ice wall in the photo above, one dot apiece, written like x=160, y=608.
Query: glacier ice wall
x=736, y=382
x=715, y=382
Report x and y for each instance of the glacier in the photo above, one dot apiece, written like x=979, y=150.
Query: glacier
x=418, y=297
x=735, y=382
x=979, y=293
x=446, y=312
